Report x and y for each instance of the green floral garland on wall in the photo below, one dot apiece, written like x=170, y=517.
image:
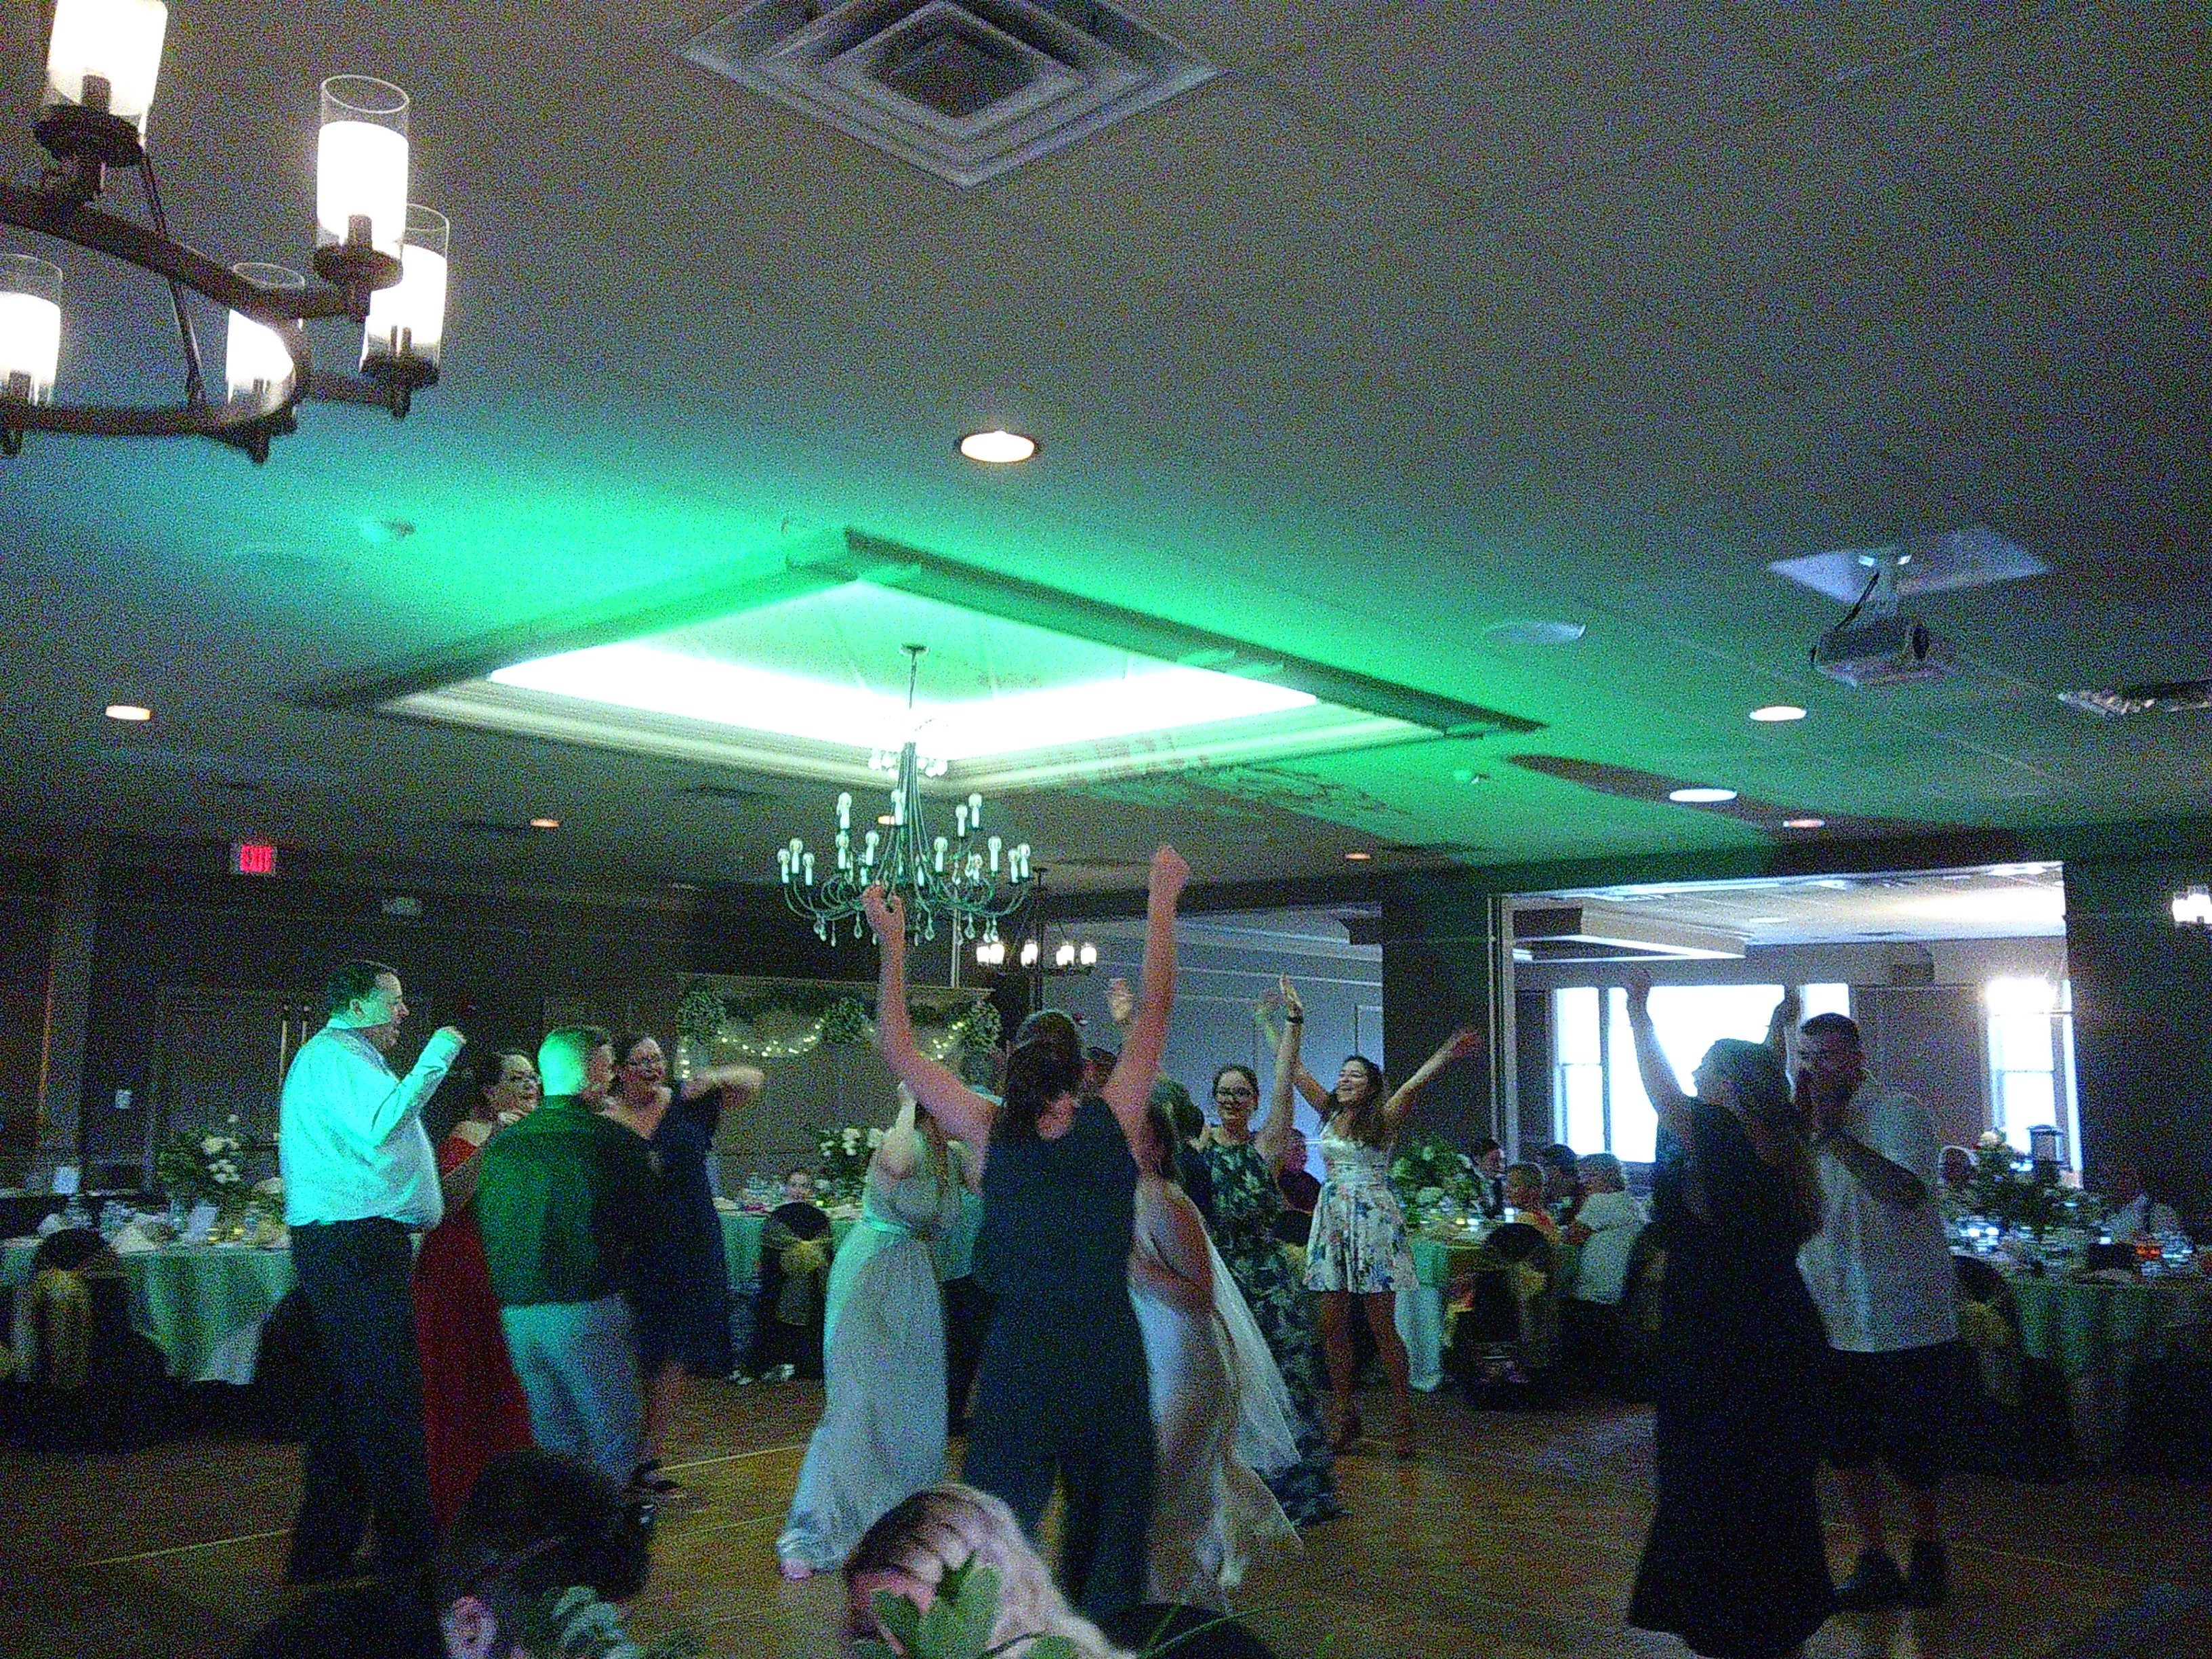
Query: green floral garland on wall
x=830, y=1014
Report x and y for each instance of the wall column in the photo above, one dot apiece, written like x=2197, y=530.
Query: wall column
x=2143, y=1024
x=1441, y=955
x=69, y=998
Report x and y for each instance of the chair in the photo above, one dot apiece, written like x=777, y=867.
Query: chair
x=1643, y=1293
x=1505, y=1346
x=2011, y=1414
x=93, y=1383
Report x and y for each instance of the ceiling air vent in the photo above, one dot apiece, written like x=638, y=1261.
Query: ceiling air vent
x=963, y=89
x=2154, y=697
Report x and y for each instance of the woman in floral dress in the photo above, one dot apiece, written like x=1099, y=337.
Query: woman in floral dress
x=1246, y=1203
x=1360, y=1246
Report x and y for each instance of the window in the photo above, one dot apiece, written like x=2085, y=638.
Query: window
x=2031, y=1047
x=1598, y=1098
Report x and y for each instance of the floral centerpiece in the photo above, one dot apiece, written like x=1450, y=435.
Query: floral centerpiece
x=1427, y=1172
x=2011, y=1188
x=844, y=1151
x=205, y=1167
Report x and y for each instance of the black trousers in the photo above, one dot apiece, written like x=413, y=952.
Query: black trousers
x=363, y=1413
x=967, y=1309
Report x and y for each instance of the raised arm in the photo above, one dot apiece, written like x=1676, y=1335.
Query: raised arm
x=1306, y=1082
x=1659, y=1084
x=1274, y=1132
x=900, y=1153
x=1780, y=1023
x=738, y=1083
x=1466, y=1041
x=962, y=1111
x=1131, y=1084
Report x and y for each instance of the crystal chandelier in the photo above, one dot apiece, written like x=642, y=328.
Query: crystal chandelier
x=955, y=878
x=381, y=258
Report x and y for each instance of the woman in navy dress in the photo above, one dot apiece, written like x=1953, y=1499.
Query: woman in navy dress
x=1063, y=1393
x=1735, y=1564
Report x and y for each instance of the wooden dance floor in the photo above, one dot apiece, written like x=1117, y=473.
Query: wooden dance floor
x=1512, y=1536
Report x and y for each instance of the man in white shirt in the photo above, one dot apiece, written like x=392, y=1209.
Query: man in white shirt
x=1880, y=1271
x=2134, y=1214
x=360, y=1180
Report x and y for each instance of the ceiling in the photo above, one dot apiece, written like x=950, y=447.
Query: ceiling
x=2004, y=900
x=1417, y=320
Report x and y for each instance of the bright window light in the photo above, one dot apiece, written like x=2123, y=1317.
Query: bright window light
x=732, y=693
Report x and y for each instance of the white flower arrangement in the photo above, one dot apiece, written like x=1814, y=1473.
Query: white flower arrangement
x=209, y=1166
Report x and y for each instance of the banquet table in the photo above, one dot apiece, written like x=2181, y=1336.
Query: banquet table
x=201, y=1305
x=2097, y=1331
x=1420, y=1311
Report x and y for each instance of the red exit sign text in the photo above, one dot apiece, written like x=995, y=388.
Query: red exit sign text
x=253, y=857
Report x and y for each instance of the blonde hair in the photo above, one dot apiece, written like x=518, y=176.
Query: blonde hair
x=942, y=1527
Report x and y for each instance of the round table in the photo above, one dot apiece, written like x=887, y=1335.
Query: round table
x=741, y=1235
x=195, y=1302
x=2096, y=1332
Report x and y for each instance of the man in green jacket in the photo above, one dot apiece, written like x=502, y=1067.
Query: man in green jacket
x=564, y=1204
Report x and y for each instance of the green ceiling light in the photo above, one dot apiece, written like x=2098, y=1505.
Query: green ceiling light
x=130, y=713
x=1776, y=713
x=998, y=447
x=103, y=61
x=1701, y=795
x=778, y=667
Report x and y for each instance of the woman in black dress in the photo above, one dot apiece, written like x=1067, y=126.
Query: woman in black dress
x=1735, y=1564
x=1063, y=1392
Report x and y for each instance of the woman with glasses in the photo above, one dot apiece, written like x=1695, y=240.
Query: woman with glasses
x=1243, y=1163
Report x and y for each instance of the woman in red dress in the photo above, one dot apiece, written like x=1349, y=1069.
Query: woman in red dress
x=472, y=1407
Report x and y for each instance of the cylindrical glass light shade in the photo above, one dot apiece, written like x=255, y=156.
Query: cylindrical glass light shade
x=255, y=365
x=408, y=322
x=361, y=162
x=118, y=40
x=30, y=327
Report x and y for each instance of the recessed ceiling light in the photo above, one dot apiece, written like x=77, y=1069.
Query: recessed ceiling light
x=544, y=824
x=1701, y=796
x=998, y=446
x=1775, y=713
x=1358, y=857
x=1804, y=823
x=1764, y=922
x=127, y=711
x=886, y=817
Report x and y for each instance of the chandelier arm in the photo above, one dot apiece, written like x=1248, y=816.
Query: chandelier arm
x=194, y=381
x=247, y=425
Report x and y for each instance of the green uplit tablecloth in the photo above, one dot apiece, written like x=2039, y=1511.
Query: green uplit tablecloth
x=2097, y=1333
x=191, y=1301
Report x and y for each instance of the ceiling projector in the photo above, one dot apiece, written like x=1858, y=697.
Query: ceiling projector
x=1876, y=644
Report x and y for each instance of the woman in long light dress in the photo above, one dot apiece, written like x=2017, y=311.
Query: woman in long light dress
x=1209, y=1507
x=882, y=1435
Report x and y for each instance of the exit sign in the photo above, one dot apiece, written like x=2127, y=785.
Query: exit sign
x=253, y=857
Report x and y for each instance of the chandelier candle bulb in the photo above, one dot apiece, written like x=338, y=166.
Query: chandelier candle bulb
x=116, y=42
x=255, y=365
x=941, y=844
x=30, y=327
x=960, y=819
x=407, y=321
x=360, y=163
x=976, y=813
x=808, y=859
x=844, y=813
x=993, y=844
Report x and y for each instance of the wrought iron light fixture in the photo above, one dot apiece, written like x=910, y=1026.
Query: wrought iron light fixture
x=381, y=258
x=956, y=880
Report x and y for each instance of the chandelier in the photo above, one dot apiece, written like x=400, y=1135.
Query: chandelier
x=955, y=879
x=381, y=258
